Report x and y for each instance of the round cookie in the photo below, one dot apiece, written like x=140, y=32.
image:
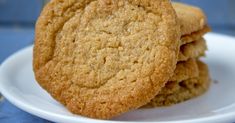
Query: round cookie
x=192, y=50
x=97, y=56
x=175, y=92
x=191, y=18
x=185, y=70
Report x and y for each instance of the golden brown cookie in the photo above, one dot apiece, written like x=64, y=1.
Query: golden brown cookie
x=194, y=36
x=175, y=92
x=191, y=18
x=194, y=49
x=97, y=56
x=193, y=22
x=185, y=70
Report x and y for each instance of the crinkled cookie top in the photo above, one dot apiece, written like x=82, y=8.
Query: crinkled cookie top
x=101, y=58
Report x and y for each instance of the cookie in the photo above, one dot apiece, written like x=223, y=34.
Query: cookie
x=191, y=18
x=97, y=56
x=193, y=22
x=194, y=36
x=194, y=49
x=185, y=70
x=176, y=92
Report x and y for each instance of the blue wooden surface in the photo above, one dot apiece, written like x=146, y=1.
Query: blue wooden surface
x=10, y=114
x=16, y=14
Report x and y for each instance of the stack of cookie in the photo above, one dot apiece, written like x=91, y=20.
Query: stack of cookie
x=191, y=76
x=102, y=58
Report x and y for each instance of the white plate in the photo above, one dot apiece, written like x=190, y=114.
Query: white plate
x=18, y=85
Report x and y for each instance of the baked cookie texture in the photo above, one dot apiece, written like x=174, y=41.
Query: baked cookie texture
x=194, y=36
x=191, y=18
x=97, y=56
x=185, y=70
x=193, y=26
x=176, y=92
x=191, y=77
x=194, y=49
x=193, y=22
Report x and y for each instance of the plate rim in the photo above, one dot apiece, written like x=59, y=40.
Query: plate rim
x=59, y=118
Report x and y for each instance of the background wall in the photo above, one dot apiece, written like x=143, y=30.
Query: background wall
x=24, y=12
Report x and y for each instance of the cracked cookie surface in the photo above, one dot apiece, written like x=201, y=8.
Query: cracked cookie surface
x=97, y=56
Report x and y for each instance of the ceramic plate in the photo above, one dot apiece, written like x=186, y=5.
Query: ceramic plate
x=18, y=85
